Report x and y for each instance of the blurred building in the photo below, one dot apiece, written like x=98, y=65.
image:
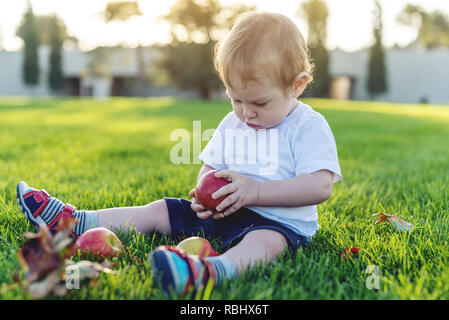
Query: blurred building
x=103, y=72
x=413, y=76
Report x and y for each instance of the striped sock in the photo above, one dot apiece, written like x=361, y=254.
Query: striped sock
x=224, y=268
x=87, y=220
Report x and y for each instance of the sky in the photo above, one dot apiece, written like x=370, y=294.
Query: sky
x=349, y=22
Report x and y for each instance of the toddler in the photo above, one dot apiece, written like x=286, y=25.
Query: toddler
x=270, y=204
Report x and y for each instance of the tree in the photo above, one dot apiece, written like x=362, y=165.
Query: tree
x=50, y=30
x=57, y=35
x=123, y=11
x=432, y=28
x=377, y=82
x=316, y=14
x=190, y=66
x=28, y=32
x=46, y=24
x=195, y=28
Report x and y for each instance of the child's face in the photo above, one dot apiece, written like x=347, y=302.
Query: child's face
x=260, y=105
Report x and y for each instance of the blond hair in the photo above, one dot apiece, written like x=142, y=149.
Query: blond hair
x=262, y=42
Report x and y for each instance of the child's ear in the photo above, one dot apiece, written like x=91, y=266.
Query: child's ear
x=300, y=83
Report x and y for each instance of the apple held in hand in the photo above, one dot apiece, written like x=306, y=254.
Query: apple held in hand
x=198, y=246
x=100, y=242
x=206, y=186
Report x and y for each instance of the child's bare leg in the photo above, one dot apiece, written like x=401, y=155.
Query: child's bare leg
x=153, y=216
x=42, y=209
x=258, y=246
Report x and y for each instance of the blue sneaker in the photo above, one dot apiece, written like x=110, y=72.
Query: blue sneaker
x=176, y=270
x=37, y=205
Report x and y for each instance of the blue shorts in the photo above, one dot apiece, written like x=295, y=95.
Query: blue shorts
x=231, y=229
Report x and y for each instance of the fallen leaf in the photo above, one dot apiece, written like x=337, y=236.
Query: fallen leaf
x=63, y=237
x=351, y=251
x=88, y=269
x=41, y=289
x=45, y=257
x=37, y=254
x=396, y=223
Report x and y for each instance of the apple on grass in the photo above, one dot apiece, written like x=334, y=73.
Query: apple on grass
x=198, y=246
x=206, y=186
x=99, y=242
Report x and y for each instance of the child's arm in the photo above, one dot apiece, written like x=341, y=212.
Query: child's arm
x=303, y=190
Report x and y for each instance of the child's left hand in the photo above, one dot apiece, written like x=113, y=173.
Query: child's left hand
x=243, y=191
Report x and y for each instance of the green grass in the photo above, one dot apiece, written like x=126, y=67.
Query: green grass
x=100, y=154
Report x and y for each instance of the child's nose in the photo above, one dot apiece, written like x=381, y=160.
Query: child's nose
x=247, y=112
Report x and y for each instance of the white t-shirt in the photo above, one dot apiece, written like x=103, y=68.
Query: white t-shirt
x=302, y=143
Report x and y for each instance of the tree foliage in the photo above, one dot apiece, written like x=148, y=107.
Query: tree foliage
x=190, y=66
x=57, y=35
x=195, y=28
x=432, y=28
x=29, y=33
x=42, y=30
x=377, y=82
x=316, y=14
x=121, y=10
x=45, y=25
x=202, y=21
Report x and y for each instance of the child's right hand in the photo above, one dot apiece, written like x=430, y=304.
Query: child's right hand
x=201, y=211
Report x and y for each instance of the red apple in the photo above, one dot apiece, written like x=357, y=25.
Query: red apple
x=100, y=242
x=206, y=186
x=198, y=246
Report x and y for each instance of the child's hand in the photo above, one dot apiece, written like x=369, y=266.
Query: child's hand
x=201, y=212
x=243, y=191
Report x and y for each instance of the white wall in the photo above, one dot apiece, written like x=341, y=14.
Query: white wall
x=11, y=75
x=411, y=74
x=414, y=75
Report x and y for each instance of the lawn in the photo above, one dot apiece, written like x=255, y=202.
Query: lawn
x=100, y=154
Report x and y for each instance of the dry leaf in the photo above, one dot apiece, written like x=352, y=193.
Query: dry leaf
x=350, y=251
x=45, y=257
x=396, y=223
x=41, y=289
x=38, y=255
x=88, y=269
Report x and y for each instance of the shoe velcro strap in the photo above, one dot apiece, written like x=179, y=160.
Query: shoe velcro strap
x=45, y=193
x=38, y=196
x=66, y=212
x=193, y=271
x=41, y=208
